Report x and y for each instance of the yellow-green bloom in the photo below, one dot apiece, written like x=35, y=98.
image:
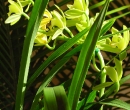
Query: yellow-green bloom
x=77, y=9
x=46, y=19
x=118, y=40
x=115, y=73
x=15, y=12
x=26, y=3
x=58, y=23
x=81, y=5
x=58, y=20
x=14, y=8
x=117, y=43
x=40, y=40
x=78, y=15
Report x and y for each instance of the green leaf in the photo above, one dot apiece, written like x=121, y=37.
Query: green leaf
x=116, y=103
x=90, y=99
x=107, y=26
x=53, y=72
x=117, y=9
x=85, y=58
x=124, y=79
x=123, y=55
x=31, y=32
x=103, y=85
x=121, y=15
x=91, y=96
x=110, y=35
x=88, y=106
x=55, y=98
x=49, y=99
x=62, y=49
x=61, y=98
x=97, y=4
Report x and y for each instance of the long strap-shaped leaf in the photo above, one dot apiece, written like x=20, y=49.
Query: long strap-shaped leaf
x=55, y=98
x=62, y=49
x=51, y=74
x=96, y=5
x=32, y=28
x=116, y=103
x=85, y=58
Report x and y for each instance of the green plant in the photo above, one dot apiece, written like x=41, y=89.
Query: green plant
x=47, y=28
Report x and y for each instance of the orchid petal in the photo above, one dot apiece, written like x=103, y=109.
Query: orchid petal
x=112, y=73
x=14, y=8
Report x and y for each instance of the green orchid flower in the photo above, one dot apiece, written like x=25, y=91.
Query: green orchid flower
x=117, y=43
x=58, y=23
x=41, y=37
x=79, y=14
x=118, y=40
x=114, y=73
x=79, y=8
x=58, y=19
x=26, y=3
x=46, y=20
x=51, y=26
x=15, y=12
x=84, y=21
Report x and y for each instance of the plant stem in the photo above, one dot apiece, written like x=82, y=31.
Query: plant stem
x=103, y=75
x=63, y=38
x=53, y=47
x=70, y=33
x=25, y=15
x=32, y=2
x=20, y=4
x=94, y=62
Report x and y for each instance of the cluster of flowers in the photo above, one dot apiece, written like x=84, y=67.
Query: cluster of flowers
x=55, y=22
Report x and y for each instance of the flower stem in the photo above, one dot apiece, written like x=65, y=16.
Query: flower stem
x=20, y=4
x=32, y=2
x=25, y=15
x=53, y=47
x=103, y=75
x=63, y=38
x=94, y=63
x=70, y=33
